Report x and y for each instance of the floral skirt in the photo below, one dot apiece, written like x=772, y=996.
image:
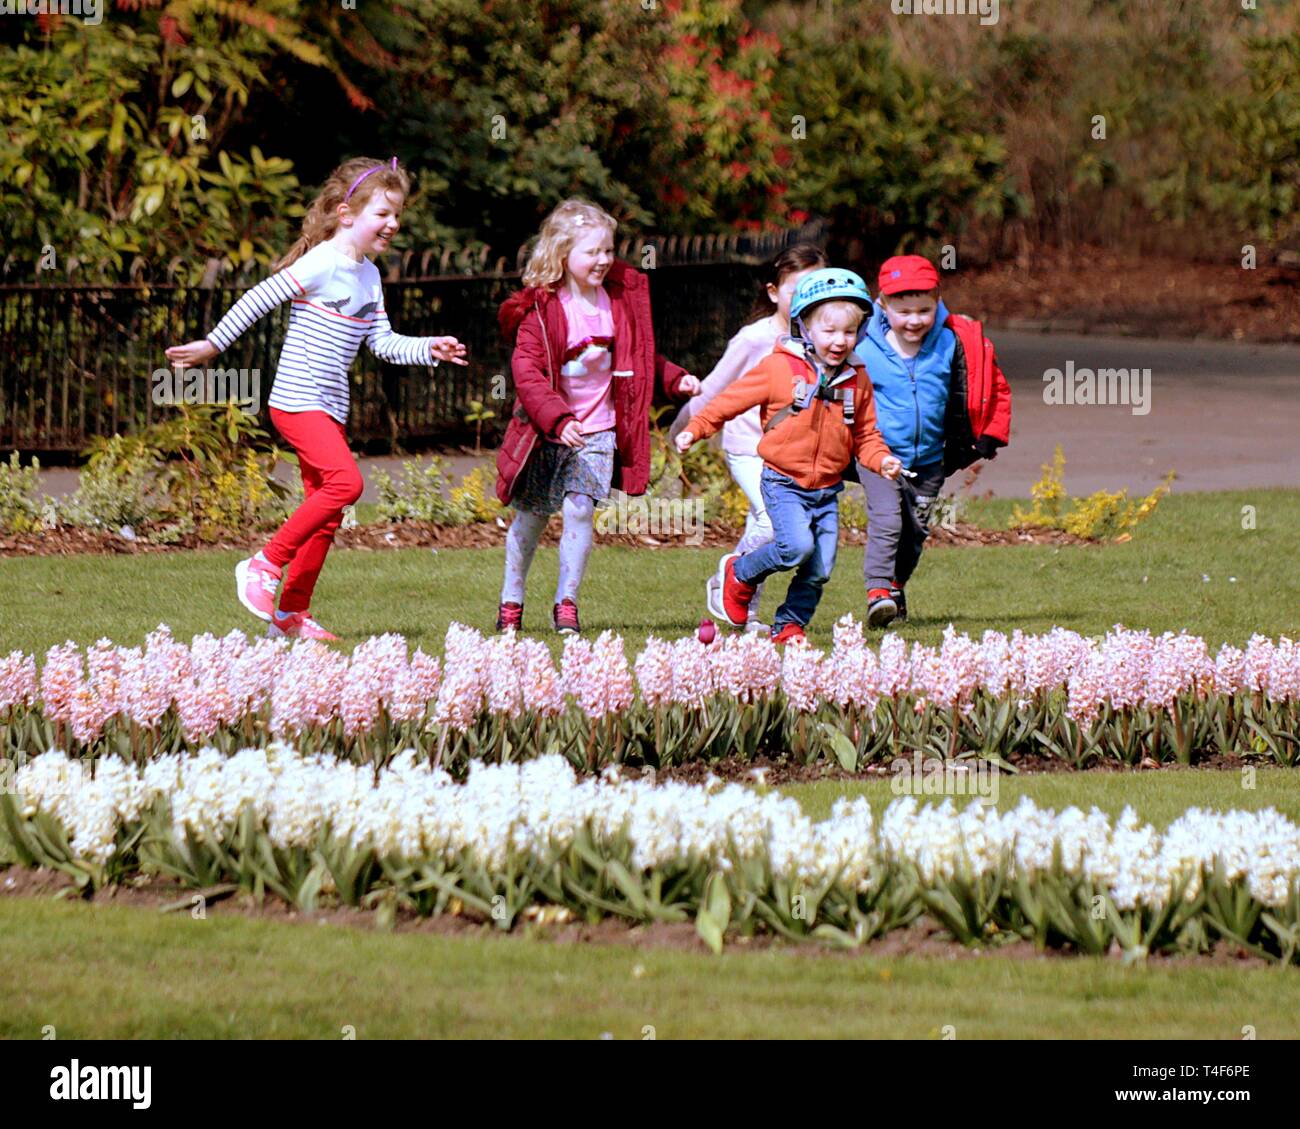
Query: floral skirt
x=556, y=470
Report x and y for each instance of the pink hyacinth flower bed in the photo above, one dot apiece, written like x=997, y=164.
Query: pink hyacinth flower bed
x=1129, y=696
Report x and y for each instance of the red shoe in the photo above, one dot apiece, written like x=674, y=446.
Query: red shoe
x=789, y=633
x=565, y=617
x=510, y=617
x=881, y=607
x=900, y=598
x=736, y=594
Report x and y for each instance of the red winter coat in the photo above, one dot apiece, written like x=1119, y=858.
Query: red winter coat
x=533, y=320
x=979, y=403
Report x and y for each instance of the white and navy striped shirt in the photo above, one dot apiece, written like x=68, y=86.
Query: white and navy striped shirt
x=337, y=304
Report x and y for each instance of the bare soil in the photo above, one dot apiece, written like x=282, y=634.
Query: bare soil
x=1095, y=290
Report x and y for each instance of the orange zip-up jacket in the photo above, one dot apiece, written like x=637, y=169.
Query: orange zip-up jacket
x=813, y=446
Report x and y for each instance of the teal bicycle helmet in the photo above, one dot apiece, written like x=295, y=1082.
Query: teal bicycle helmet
x=825, y=285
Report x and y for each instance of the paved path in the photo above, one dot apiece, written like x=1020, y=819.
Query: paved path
x=1223, y=415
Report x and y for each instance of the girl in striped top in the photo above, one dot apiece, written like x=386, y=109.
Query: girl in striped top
x=337, y=303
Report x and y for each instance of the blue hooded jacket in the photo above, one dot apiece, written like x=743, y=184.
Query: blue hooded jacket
x=911, y=395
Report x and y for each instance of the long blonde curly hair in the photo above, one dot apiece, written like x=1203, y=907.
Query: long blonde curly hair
x=568, y=222
x=322, y=221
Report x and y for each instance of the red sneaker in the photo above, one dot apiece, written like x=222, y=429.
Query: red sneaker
x=736, y=594
x=565, y=617
x=881, y=607
x=510, y=617
x=789, y=633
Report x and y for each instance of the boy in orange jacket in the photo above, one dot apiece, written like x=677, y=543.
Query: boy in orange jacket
x=818, y=415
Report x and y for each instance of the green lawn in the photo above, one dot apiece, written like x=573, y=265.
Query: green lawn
x=1153, y=581
x=102, y=971
x=1159, y=797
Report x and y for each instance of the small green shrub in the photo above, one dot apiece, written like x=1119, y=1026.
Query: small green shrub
x=20, y=496
x=853, y=508
x=119, y=485
x=420, y=494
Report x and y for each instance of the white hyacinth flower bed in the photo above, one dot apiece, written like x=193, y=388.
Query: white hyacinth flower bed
x=731, y=859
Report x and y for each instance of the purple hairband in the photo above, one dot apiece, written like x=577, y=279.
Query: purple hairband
x=356, y=183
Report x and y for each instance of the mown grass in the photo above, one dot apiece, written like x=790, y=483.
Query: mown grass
x=1159, y=796
x=99, y=970
x=1157, y=580
x=103, y=971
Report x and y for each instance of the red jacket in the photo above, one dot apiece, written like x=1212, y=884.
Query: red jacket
x=981, y=390
x=533, y=320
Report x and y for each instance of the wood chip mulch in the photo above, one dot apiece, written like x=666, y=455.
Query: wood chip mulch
x=70, y=540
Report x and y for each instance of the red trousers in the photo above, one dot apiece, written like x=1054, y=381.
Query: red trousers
x=331, y=480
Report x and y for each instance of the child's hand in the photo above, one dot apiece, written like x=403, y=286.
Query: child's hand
x=447, y=349
x=684, y=441
x=689, y=384
x=195, y=353
x=571, y=435
x=891, y=466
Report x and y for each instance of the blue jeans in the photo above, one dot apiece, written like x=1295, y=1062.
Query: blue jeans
x=805, y=536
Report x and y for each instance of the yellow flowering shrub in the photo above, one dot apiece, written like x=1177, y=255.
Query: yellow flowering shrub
x=733, y=506
x=1106, y=515
x=476, y=495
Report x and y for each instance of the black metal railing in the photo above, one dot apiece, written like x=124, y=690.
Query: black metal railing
x=77, y=360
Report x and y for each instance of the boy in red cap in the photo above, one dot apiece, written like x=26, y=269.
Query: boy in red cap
x=941, y=404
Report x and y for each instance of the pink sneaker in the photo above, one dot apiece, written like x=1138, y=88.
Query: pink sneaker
x=299, y=625
x=255, y=584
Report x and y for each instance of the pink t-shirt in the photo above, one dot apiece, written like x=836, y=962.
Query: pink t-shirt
x=586, y=378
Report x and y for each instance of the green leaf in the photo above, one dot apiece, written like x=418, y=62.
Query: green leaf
x=117, y=130
x=841, y=746
x=182, y=83
x=715, y=912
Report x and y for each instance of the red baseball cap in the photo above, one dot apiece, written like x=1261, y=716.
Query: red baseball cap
x=907, y=272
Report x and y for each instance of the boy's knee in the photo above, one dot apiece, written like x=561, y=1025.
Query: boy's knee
x=884, y=518
x=819, y=569
x=794, y=549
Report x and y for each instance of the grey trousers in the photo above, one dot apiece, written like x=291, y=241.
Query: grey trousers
x=898, y=513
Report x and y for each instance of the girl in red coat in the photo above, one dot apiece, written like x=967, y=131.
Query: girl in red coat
x=585, y=369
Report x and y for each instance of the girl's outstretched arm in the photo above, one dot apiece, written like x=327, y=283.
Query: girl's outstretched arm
x=256, y=303
x=194, y=353
x=671, y=378
x=448, y=349
x=388, y=345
